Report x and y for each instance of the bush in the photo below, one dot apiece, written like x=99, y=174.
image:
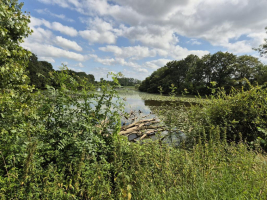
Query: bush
x=58, y=141
x=241, y=114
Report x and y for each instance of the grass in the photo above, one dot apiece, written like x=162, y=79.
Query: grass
x=211, y=170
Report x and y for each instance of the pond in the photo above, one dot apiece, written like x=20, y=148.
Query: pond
x=140, y=106
x=142, y=103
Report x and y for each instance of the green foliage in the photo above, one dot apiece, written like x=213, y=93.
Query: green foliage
x=211, y=170
x=61, y=136
x=241, y=114
x=124, y=81
x=40, y=72
x=13, y=58
x=62, y=143
x=196, y=74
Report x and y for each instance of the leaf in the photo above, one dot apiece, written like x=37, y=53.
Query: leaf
x=262, y=130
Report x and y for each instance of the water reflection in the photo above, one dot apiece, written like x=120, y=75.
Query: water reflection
x=143, y=104
x=140, y=101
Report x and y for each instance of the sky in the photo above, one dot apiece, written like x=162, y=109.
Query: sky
x=136, y=37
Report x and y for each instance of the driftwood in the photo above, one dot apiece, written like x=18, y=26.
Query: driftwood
x=136, y=126
x=141, y=129
x=137, y=123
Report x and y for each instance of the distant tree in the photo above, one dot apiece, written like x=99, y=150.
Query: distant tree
x=196, y=75
x=246, y=67
x=124, y=81
x=38, y=72
x=222, y=68
x=261, y=74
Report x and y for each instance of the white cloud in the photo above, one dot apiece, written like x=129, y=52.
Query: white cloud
x=99, y=25
x=155, y=64
x=99, y=31
x=142, y=70
x=41, y=43
x=101, y=72
x=118, y=61
x=54, y=26
x=134, y=74
x=74, y=69
x=39, y=22
x=194, y=42
x=40, y=35
x=62, y=3
x=133, y=52
x=48, y=59
x=80, y=65
x=179, y=52
x=238, y=47
x=67, y=44
x=44, y=50
x=60, y=16
x=64, y=29
x=151, y=35
x=95, y=37
x=153, y=8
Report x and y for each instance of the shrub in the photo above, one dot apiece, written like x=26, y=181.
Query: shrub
x=241, y=114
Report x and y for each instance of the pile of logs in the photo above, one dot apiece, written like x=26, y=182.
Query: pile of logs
x=140, y=130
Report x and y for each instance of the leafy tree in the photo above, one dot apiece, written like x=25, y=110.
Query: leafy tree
x=260, y=74
x=39, y=72
x=128, y=81
x=196, y=75
x=222, y=68
x=13, y=58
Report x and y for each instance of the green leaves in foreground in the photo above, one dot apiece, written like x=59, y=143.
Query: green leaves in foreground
x=58, y=140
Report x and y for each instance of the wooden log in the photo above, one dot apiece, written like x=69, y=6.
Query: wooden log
x=128, y=131
x=133, y=129
x=135, y=126
x=143, y=136
x=137, y=129
x=135, y=123
x=152, y=127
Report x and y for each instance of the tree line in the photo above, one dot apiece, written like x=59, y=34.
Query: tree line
x=128, y=81
x=40, y=72
x=196, y=75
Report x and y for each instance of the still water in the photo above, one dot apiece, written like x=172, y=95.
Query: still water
x=142, y=105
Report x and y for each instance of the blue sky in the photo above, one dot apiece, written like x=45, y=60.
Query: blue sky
x=136, y=37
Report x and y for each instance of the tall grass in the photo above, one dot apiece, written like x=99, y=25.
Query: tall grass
x=211, y=170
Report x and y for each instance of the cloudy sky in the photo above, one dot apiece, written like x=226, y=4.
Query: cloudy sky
x=136, y=37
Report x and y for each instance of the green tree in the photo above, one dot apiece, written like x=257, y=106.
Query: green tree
x=261, y=74
x=247, y=67
x=13, y=58
x=39, y=72
x=222, y=68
